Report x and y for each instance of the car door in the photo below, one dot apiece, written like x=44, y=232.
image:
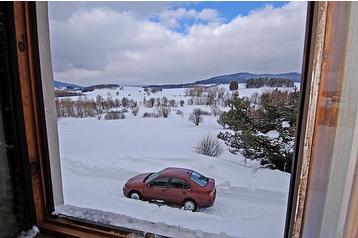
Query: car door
x=157, y=188
x=177, y=190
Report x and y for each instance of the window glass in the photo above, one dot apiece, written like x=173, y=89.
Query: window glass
x=152, y=176
x=159, y=182
x=199, y=179
x=210, y=87
x=178, y=183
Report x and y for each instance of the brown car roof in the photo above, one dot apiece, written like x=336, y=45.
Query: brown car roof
x=176, y=172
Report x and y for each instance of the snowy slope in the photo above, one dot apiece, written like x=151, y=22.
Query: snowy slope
x=99, y=156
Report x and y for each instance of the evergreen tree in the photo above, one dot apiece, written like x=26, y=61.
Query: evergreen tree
x=265, y=133
x=233, y=85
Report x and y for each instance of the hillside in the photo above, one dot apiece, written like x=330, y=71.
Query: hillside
x=58, y=84
x=241, y=77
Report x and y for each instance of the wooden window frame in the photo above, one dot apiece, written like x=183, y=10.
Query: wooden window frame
x=323, y=20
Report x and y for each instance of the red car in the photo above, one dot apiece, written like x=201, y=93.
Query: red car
x=178, y=186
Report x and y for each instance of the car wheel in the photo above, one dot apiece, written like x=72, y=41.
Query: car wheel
x=190, y=205
x=134, y=195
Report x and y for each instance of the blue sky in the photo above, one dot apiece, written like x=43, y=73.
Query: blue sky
x=227, y=10
x=230, y=9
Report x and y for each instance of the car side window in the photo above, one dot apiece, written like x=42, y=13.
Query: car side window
x=178, y=183
x=159, y=182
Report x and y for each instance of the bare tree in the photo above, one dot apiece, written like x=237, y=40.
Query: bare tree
x=196, y=116
x=163, y=111
x=210, y=146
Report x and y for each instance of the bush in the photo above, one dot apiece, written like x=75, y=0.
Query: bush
x=210, y=146
x=113, y=115
x=124, y=110
x=150, y=115
x=233, y=85
x=163, y=111
x=196, y=116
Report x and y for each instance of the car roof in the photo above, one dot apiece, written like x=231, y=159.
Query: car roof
x=176, y=172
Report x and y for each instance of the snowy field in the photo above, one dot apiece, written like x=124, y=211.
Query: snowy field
x=99, y=156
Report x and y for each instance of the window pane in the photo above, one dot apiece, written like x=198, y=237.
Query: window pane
x=159, y=182
x=177, y=183
x=204, y=93
x=199, y=179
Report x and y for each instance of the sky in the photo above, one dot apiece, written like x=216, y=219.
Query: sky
x=141, y=43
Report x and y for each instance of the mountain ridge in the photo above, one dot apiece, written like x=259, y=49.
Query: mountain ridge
x=240, y=77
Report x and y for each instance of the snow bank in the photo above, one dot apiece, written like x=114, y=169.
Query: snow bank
x=132, y=223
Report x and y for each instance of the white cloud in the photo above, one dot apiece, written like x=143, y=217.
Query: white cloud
x=102, y=45
x=171, y=18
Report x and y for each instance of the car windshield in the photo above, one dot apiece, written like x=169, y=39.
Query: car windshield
x=151, y=176
x=199, y=179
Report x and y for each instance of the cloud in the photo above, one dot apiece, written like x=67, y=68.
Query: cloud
x=105, y=45
x=172, y=18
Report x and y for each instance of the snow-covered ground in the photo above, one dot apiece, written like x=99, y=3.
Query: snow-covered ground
x=98, y=157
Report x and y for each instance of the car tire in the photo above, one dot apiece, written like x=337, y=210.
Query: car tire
x=190, y=205
x=134, y=195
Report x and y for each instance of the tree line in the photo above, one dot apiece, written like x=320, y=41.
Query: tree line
x=269, y=82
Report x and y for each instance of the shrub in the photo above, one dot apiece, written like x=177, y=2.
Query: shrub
x=150, y=115
x=124, y=110
x=181, y=102
x=113, y=115
x=125, y=102
x=172, y=103
x=196, y=116
x=233, y=85
x=210, y=146
x=163, y=111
